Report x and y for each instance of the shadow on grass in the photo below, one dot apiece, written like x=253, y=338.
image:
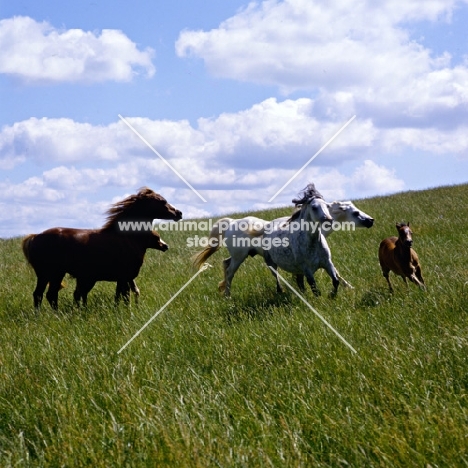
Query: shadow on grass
x=374, y=297
x=26, y=313
x=379, y=296
x=99, y=306
x=255, y=306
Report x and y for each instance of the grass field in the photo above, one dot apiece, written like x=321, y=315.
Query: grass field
x=255, y=380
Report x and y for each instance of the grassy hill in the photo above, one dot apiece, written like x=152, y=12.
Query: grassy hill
x=255, y=380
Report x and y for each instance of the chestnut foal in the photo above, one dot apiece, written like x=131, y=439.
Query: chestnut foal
x=396, y=254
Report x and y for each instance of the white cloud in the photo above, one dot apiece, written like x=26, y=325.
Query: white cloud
x=282, y=135
x=372, y=178
x=237, y=161
x=358, y=49
x=23, y=215
x=430, y=140
x=267, y=142
x=33, y=188
x=66, y=141
x=62, y=196
x=34, y=51
x=90, y=179
x=8, y=162
x=46, y=140
x=354, y=57
x=299, y=44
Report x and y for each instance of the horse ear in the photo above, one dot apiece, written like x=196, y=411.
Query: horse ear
x=408, y=224
x=398, y=225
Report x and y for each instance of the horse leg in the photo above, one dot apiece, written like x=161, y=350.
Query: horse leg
x=300, y=282
x=387, y=277
x=420, y=278
x=83, y=287
x=135, y=290
x=222, y=284
x=231, y=265
x=85, y=291
x=385, y=270
x=343, y=281
x=331, y=270
x=39, y=292
x=313, y=285
x=123, y=290
x=118, y=292
x=55, y=286
x=77, y=294
x=414, y=278
x=273, y=267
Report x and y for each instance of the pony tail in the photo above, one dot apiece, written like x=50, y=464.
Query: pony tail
x=214, y=243
x=26, y=245
x=199, y=258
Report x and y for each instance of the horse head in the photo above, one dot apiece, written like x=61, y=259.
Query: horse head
x=343, y=211
x=316, y=210
x=156, y=242
x=155, y=206
x=146, y=205
x=312, y=206
x=405, y=234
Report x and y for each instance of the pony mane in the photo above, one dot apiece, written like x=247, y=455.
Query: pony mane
x=306, y=195
x=295, y=215
x=128, y=207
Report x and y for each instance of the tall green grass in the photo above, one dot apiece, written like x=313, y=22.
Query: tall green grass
x=255, y=380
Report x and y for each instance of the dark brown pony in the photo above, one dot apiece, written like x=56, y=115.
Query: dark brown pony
x=112, y=253
x=396, y=254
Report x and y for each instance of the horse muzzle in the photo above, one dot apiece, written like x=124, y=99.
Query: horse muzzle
x=163, y=246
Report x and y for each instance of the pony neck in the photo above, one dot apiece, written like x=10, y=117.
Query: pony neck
x=403, y=249
x=314, y=227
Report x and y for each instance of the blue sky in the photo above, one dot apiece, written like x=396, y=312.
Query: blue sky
x=237, y=96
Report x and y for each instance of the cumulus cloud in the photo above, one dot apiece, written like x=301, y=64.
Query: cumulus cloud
x=374, y=178
x=46, y=140
x=300, y=44
x=36, y=51
x=354, y=58
x=33, y=188
x=225, y=151
x=61, y=196
x=357, y=50
x=237, y=161
x=66, y=141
